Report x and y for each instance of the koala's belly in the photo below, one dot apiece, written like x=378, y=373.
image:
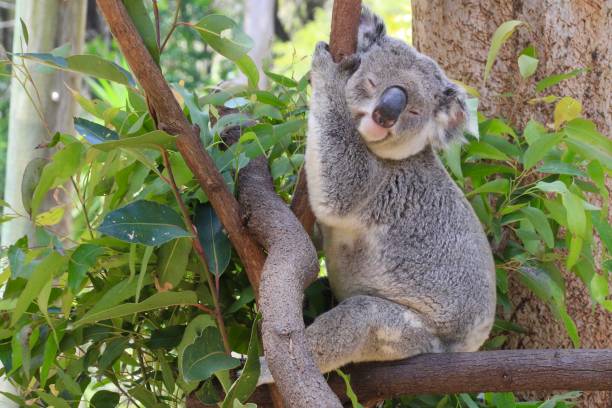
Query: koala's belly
x=350, y=260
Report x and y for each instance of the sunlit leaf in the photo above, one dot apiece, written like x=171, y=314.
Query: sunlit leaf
x=154, y=139
x=85, y=64
x=527, y=65
x=156, y=301
x=224, y=35
x=566, y=109
x=501, y=35
x=42, y=273
x=555, y=79
x=50, y=217
x=539, y=148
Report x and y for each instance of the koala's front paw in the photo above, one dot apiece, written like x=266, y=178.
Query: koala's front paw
x=325, y=72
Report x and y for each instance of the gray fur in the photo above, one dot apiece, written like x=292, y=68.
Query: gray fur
x=405, y=252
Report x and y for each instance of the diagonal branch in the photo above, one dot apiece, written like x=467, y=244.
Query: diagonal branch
x=171, y=119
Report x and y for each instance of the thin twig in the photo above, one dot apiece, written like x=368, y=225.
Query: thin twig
x=81, y=200
x=177, y=12
x=197, y=246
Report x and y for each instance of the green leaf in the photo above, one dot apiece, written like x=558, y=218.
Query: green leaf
x=157, y=301
x=566, y=109
x=114, y=350
x=500, y=186
x=216, y=244
x=50, y=217
x=65, y=164
x=246, y=383
x=206, y=356
x=468, y=400
x=166, y=338
x=24, y=31
x=42, y=274
x=554, y=401
x=85, y=64
x=224, y=35
x=603, y=228
x=555, y=79
x=172, y=260
x=105, y=399
x=540, y=222
x=504, y=400
x=81, y=261
x=486, y=151
x=282, y=80
x=154, y=139
x=585, y=131
x=192, y=331
x=349, y=390
x=30, y=180
x=527, y=65
x=501, y=35
x=249, y=69
x=146, y=397
x=559, y=167
x=452, y=155
x=144, y=25
x=93, y=132
x=144, y=222
x=576, y=217
x=539, y=148
x=52, y=400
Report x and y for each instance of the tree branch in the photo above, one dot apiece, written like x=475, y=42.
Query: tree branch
x=171, y=119
x=342, y=43
x=496, y=371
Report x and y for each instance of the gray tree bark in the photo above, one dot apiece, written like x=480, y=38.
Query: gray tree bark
x=259, y=25
x=567, y=35
x=50, y=23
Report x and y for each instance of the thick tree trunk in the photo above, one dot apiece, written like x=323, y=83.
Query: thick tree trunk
x=259, y=25
x=50, y=23
x=567, y=35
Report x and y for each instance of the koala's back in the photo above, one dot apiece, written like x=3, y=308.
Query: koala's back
x=421, y=246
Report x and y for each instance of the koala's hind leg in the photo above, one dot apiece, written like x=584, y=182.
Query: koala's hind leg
x=365, y=328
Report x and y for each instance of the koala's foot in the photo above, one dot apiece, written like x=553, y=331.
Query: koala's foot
x=365, y=328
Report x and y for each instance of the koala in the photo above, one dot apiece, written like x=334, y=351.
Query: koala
x=406, y=256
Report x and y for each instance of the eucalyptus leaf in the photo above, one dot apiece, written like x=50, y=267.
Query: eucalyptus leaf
x=144, y=222
x=216, y=244
x=206, y=356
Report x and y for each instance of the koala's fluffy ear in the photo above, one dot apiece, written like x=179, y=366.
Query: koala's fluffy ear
x=371, y=30
x=450, y=116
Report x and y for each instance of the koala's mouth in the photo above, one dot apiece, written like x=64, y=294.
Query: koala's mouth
x=371, y=131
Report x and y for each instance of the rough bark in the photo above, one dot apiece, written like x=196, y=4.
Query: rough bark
x=452, y=373
x=342, y=42
x=567, y=35
x=291, y=265
x=171, y=119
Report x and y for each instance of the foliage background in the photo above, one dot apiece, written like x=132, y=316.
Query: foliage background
x=110, y=314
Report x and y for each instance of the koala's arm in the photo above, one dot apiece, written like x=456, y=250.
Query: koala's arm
x=339, y=167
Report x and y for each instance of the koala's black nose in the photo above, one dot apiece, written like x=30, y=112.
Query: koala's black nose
x=390, y=105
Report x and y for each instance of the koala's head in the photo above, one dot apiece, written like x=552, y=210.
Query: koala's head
x=400, y=99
